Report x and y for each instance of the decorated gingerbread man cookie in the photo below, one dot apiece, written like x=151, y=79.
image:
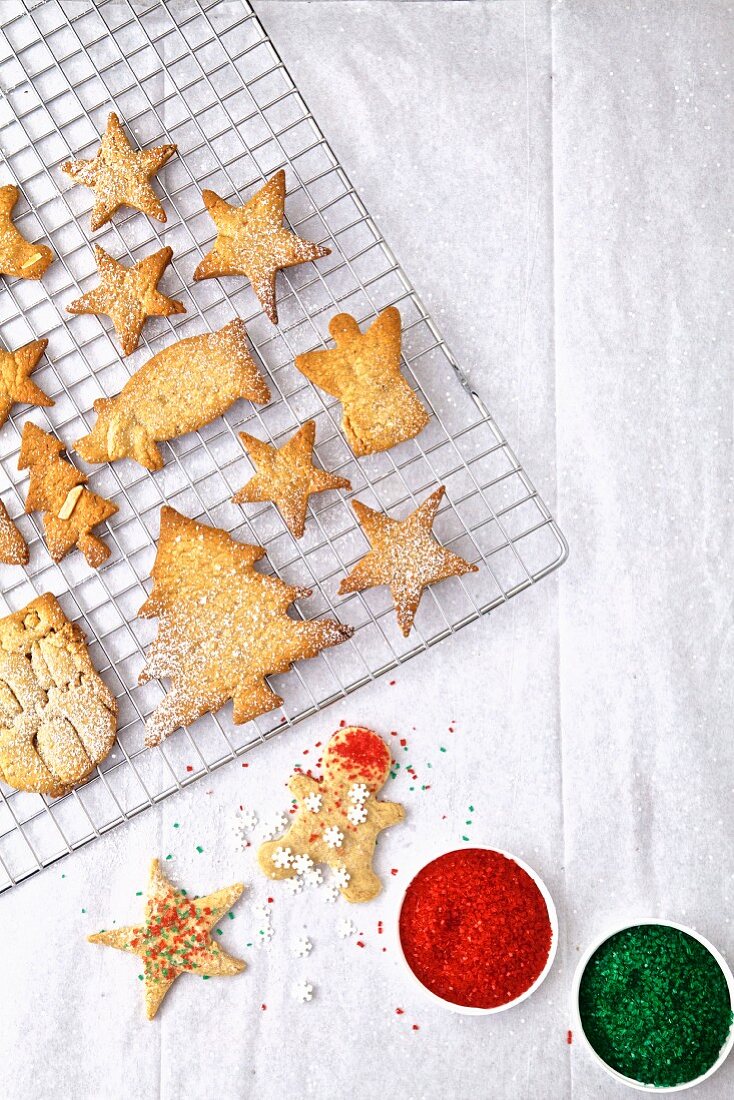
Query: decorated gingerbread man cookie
x=338, y=818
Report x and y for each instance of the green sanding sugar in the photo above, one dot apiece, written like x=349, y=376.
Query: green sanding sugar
x=655, y=1005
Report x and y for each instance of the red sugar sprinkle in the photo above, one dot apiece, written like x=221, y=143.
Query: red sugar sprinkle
x=393, y=870
x=359, y=943
x=569, y=1037
x=403, y=742
x=270, y=901
x=399, y=1011
x=363, y=751
x=415, y=1027
x=342, y=724
x=189, y=767
x=393, y=683
x=474, y=928
x=317, y=745
x=245, y=765
x=263, y=1007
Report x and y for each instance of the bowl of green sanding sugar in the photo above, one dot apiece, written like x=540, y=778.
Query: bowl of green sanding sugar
x=653, y=1001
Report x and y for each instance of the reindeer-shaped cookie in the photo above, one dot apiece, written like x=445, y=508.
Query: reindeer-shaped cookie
x=338, y=817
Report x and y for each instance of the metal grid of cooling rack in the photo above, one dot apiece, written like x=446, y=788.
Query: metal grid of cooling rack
x=209, y=79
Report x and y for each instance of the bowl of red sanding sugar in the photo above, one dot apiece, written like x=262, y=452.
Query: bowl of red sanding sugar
x=478, y=930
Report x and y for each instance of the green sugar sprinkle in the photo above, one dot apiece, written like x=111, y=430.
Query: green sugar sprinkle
x=176, y=825
x=199, y=849
x=655, y=1005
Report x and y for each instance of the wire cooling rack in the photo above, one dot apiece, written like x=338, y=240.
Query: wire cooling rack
x=206, y=76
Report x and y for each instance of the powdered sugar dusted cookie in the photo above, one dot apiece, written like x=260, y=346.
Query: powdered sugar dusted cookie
x=57, y=717
x=70, y=511
x=15, y=384
x=182, y=388
x=252, y=241
x=363, y=372
x=120, y=175
x=223, y=626
x=405, y=557
x=13, y=547
x=128, y=295
x=287, y=476
x=325, y=828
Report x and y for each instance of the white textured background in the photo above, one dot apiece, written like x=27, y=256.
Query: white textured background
x=556, y=179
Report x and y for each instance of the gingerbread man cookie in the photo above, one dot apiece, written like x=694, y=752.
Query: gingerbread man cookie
x=17, y=255
x=339, y=817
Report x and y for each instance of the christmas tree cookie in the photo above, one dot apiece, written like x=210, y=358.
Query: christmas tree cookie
x=223, y=626
x=70, y=512
x=339, y=817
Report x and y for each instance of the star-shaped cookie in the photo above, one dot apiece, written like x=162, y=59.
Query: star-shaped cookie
x=287, y=476
x=175, y=937
x=404, y=556
x=15, y=385
x=13, y=547
x=128, y=295
x=18, y=256
x=252, y=241
x=380, y=409
x=120, y=175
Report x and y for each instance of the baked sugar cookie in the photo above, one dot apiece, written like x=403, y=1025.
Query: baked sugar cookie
x=70, y=512
x=380, y=409
x=57, y=717
x=222, y=626
x=18, y=256
x=120, y=175
x=13, y=547
x=128, y=295
x=15, y=384
x=176, y=937
x=287, y=476
x=339, y=817
x=252, y=241
x=405, y=556
x=182, y=388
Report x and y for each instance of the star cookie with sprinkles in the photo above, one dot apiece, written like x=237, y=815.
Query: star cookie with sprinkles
x=287, y=476
x=404, y=556
x=128, y=295
x=15, y=385
x=338, y=817
x=252, y=241
x=18, y=256
x=380, y=409
x=175, y=937
x=222, y=626
x=120, y=175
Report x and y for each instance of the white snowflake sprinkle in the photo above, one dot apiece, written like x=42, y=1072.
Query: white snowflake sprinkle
x=313, y=877
x=331, y=891
x=303, y=991
x=302, y=863
x=265, y=934
x=358, y=792
x=282, y=857
x=261, y=911
x=333, y=837
x=302, y=947
x=313, y=802
x=345, y=928
x=247, y=819
x=357, y=814
x=341, y=876
x=294, y=884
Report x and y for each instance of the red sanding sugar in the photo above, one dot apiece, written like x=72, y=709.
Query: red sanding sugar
x=475, y=928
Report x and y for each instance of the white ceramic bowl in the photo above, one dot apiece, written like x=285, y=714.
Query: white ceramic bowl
x=552, y=917
x=578, y=1028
